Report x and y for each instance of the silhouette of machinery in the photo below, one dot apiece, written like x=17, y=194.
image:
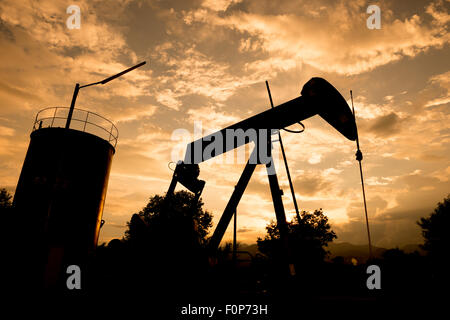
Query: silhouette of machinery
x=62, y=187
x=318, y=97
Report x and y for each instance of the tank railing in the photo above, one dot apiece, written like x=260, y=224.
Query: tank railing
x=47, y=118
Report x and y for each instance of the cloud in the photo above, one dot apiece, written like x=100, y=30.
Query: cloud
x=393, y=223
x=42, y=47
x=192, y=72
x=315, y=158
x=210, y=118
x=335, y=39
x=218, y=5
x=5, y=131
x=443, y=81
x=369, y=111
x=376, y=204
x=379, y=181
x=311, y=183
x=46, y=23
x=437, y=102
x=244, y=229
x=207, y=61
x=134, y=114
x=167, y=98
x=386, y=125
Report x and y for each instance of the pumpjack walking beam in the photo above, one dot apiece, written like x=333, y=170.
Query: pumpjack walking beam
x=318, y=97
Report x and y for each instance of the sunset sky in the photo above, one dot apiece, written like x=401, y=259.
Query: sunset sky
x=207, y=61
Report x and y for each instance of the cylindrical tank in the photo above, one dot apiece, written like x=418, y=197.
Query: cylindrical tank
x=62, y=188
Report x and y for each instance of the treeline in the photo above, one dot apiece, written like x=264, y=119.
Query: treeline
x=164, y=254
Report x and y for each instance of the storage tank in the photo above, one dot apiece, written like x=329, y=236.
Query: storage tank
x=61, y=190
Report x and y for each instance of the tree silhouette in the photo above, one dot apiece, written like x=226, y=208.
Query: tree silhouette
x=6, y=210
x=435, y=231
x=5, y=200
x=162, y=251
x=170, y=218
x=168, y=235
x=307, y=238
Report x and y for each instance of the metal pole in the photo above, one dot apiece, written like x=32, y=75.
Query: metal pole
x=85, y=121
x=281, y=217
x=359, y=157
x=53, y=119
x=72, y=105
x=232, y=204
x=235, y=237
x=365, y=209
x=291, y=186
x=77, y=88
x=110, y=132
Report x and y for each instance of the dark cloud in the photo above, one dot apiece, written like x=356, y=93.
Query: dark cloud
x=432, y=157
x=245, y=229
x=387, y=125
x=18, y=92
x=310, y=184
x=388, y=235
x=395, y=226
x=416, y=181
x=6, y=32
x=397, y=214
x=307, y=184
x=355, y=211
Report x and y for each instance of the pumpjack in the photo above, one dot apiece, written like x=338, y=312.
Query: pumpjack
x=318, y=97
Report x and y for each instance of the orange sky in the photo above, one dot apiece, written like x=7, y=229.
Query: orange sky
x=207, y=61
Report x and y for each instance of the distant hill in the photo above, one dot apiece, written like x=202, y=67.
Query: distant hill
x=344, y=249
x=349, y=251
x=361, y=252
